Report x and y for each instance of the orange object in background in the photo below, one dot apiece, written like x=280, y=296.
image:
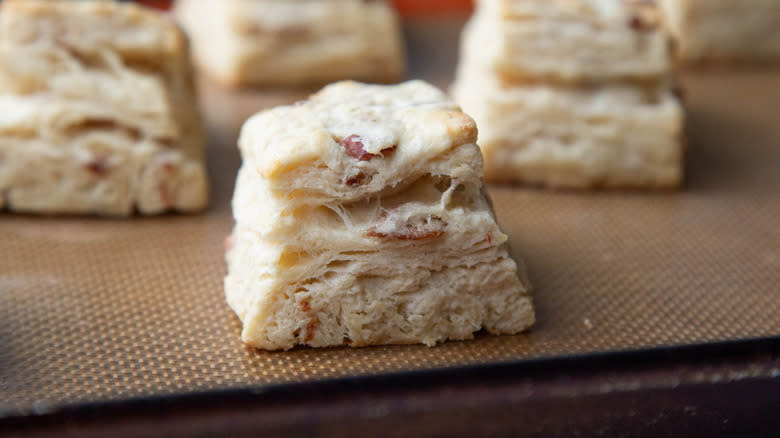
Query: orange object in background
x=409, y=8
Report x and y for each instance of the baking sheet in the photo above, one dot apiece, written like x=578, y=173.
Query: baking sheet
x=98, y=310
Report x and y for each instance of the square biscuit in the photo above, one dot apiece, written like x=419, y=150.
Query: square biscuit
x=281, y=42
x=361, y=219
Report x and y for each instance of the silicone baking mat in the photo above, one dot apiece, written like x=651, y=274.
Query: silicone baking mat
x=97, y=310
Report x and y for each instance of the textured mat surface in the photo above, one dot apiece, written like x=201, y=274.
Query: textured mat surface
x=96, y=310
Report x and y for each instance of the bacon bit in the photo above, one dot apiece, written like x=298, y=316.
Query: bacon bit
x=638, y=24
x=229, y=242
x=165, y=195
x=305, y=306
x=168, y=166
x=490, y=238
x=354, y=147
x=310, y=327
x=167, y=162
x=429, y=228
x=358, y=180
x=98, y=166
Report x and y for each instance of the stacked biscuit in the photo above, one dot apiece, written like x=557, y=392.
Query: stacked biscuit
x=572, y=93
x=273, y=42
x=361, y=219
x=97, y=111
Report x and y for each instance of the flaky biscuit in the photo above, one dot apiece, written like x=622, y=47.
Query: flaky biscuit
x=102, y=94
x=361, y=219
x=281, y=42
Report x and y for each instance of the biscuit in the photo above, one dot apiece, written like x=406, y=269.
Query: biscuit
x=595, y=105
x=724, y=30
x=281, y=42
x=361, y=219
x=99, y=111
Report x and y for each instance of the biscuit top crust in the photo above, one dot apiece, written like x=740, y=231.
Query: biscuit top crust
x=89, y=27
x=350, y=122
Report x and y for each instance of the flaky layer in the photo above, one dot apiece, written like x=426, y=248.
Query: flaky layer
x=351, y=141
x=422, y=293
x=89, y=27
x=617, y=136
x=264, y=42
x=569, y=40
x=106, y=172
x=442, y=184
x=439, y=213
